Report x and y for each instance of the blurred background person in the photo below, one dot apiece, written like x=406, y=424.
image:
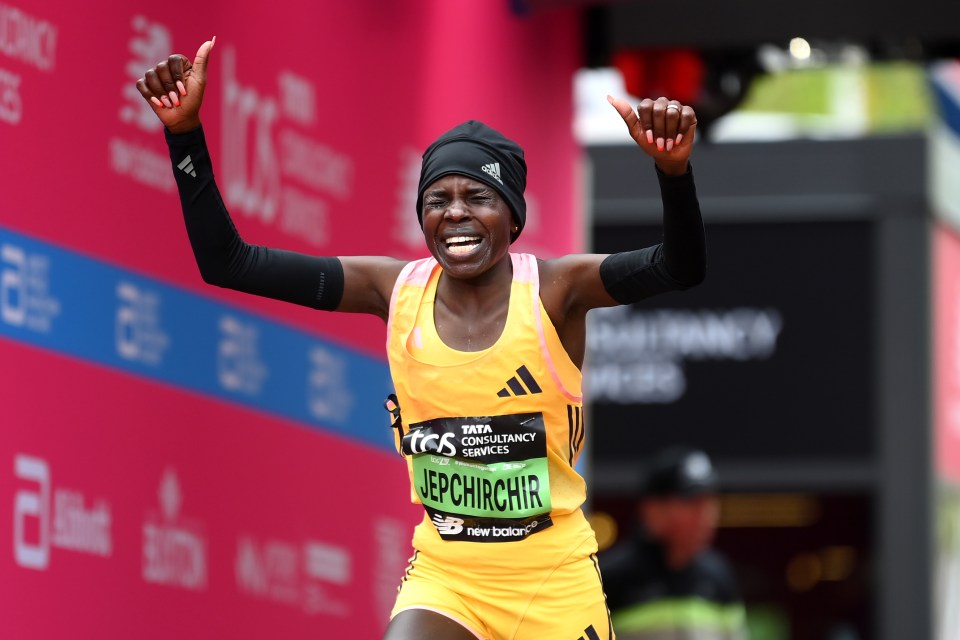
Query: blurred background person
x=665, y=581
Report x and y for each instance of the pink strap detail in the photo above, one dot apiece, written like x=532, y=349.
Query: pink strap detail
x=524, y=267
x=415, y=273
x=530, y=268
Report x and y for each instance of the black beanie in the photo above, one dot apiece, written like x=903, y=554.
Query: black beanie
x=475, y=150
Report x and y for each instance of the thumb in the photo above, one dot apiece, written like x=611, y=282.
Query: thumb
x=200, y=61
x=622, y=107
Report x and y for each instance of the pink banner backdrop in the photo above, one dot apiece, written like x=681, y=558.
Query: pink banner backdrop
x=946, y=351
x=316, y=114
x=184, y=461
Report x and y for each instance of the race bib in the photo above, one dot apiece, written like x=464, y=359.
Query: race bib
x=482, y=479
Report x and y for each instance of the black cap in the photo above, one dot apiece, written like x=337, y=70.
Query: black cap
x=679, y=471
x=478, y=151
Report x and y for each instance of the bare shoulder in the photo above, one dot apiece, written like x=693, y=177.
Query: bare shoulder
x=570, y=266
x=573, y=281
x=368, y=283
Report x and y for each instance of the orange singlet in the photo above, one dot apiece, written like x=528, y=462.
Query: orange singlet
x=491, y=440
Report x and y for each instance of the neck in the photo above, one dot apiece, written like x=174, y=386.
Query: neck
x=474, y=295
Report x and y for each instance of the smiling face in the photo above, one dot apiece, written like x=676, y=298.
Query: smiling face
x=467, y=225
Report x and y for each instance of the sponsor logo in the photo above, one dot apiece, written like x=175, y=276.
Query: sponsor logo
x=466, y=528
x=392, y=541
x=271, y=171
x=448, y=525
x=517, y=389
x=417, y=442
x=11, y=104
x=174, y=549
x=239, y=366
x=64, y=522
x=25, y=299
x=27, y=38
x=590, y=633
x=496, y=439
x=186, y=165
x=638, y=357
x=139, y=337
x=493, y=170
x=138, y=160
x=328, y=395
x=406, y=227
x=305, y=576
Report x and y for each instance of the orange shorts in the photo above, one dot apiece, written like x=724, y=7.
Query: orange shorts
x=563, y=602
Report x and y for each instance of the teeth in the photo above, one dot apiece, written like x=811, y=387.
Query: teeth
x=461, y=249
x=462, y=239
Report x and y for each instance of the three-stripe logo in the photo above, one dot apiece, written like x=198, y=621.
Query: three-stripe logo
x=589, y=634
x=513, y=384
x=186, y=165
x=493, y=170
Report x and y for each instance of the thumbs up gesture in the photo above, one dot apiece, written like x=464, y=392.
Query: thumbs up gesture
x=174, y=88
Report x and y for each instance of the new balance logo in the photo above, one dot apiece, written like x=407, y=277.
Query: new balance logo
x=186, y=165
x=448, y=525
x=513, y=384
x=494, y=170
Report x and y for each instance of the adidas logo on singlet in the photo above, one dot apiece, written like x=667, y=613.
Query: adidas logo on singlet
x=589, y=634
x=514, y=385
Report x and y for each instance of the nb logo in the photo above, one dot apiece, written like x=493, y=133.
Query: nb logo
x=448, y=526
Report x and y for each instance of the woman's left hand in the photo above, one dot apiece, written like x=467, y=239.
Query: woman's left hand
x=663, y=128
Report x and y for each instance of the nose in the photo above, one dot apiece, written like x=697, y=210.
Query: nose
x=457, y=210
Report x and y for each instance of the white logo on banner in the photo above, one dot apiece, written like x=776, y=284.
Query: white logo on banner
x=29, y=40
x=392, y=545
x=174, y=549
x=139, y=160
x=283, y=179
x=328, y=397
x=638, y=357
x=73, y=526
x=407, y=229
x=305, y=576
x=25, y=299
x=139, y=336
x=239, y=367
x=11, y=104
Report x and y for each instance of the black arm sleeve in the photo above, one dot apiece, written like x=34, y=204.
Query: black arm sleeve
x=224, y=258
x=679, y=262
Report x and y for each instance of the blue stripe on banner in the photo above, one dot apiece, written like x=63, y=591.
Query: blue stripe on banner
x=948, y=106
x=60, y=300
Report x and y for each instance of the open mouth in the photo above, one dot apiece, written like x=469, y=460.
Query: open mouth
x=461, y=245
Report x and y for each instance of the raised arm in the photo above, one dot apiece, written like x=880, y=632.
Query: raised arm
x=175, y=88
x=572, y=285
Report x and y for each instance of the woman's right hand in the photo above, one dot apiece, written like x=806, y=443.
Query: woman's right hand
x=174, y=88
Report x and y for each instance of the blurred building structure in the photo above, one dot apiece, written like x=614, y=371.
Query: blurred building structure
x=816, y=363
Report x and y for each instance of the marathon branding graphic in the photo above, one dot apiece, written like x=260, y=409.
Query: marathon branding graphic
x=482, y=478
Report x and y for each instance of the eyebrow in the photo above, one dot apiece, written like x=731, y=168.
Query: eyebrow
x=470, y=192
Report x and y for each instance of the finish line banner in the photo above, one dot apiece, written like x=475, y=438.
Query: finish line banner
x=179, y=460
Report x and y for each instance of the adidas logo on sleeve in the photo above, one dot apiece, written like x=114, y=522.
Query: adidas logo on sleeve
x=493, y=169
x=186, y=165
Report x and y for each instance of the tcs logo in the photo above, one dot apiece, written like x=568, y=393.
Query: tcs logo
x=417, y=442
